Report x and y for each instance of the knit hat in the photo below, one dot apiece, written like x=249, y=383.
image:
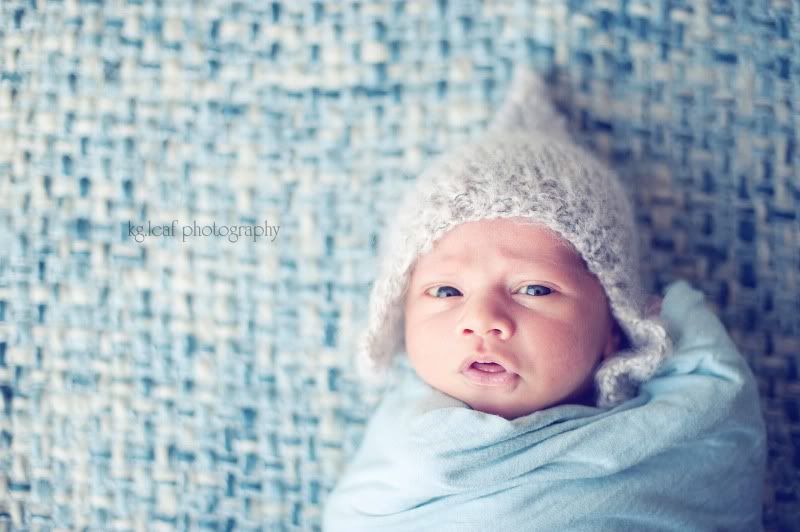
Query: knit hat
x=524, y=165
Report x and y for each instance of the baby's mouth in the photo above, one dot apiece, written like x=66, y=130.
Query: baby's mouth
x=490, y=367
x=490, y=374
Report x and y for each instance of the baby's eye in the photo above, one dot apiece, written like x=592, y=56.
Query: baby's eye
x=442, y=289
x=539, y=290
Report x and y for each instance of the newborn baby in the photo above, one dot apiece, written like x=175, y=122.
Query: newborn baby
x=529, y=386
x=504, y=315
x=514, y=260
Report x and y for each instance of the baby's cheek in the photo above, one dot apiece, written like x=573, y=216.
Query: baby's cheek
x=557, y=338
x=566, y=353
x=422, y=349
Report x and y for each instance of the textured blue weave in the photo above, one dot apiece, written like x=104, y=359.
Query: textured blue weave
x=201, y=383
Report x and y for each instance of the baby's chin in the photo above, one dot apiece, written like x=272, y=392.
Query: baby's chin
x=507, y=411
x=512, y=403
x=511, y=410
x=490, y=401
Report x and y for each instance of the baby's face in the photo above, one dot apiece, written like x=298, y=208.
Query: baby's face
x=511, y=293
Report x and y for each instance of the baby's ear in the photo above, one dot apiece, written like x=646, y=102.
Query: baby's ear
x=615, y=342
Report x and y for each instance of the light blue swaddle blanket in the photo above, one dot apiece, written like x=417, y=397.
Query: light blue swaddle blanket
x=688, y=453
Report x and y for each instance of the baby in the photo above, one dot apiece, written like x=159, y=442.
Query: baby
x=541, y=393
x=511, y=278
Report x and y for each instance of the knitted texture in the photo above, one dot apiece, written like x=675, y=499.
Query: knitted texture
x=525, y=165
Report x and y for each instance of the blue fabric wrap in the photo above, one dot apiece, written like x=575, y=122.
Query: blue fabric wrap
x=688, y=453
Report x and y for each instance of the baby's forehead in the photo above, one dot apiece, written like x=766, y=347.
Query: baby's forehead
x=523, y=243
x=561, y=256
x=567, y=260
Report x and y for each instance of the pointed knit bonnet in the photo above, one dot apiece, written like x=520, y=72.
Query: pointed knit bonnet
x=524, y=165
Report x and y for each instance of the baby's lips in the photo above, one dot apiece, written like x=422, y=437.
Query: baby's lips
x=487, y=357
x=491, y=367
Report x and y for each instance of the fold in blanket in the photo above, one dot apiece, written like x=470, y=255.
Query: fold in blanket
x=687, y=453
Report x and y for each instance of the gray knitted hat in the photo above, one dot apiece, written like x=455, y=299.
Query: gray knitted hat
x=524, y=165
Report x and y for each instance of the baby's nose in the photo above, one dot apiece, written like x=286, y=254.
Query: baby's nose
x=487, y=316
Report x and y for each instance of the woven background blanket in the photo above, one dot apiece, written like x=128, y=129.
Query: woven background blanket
x=192, y=195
